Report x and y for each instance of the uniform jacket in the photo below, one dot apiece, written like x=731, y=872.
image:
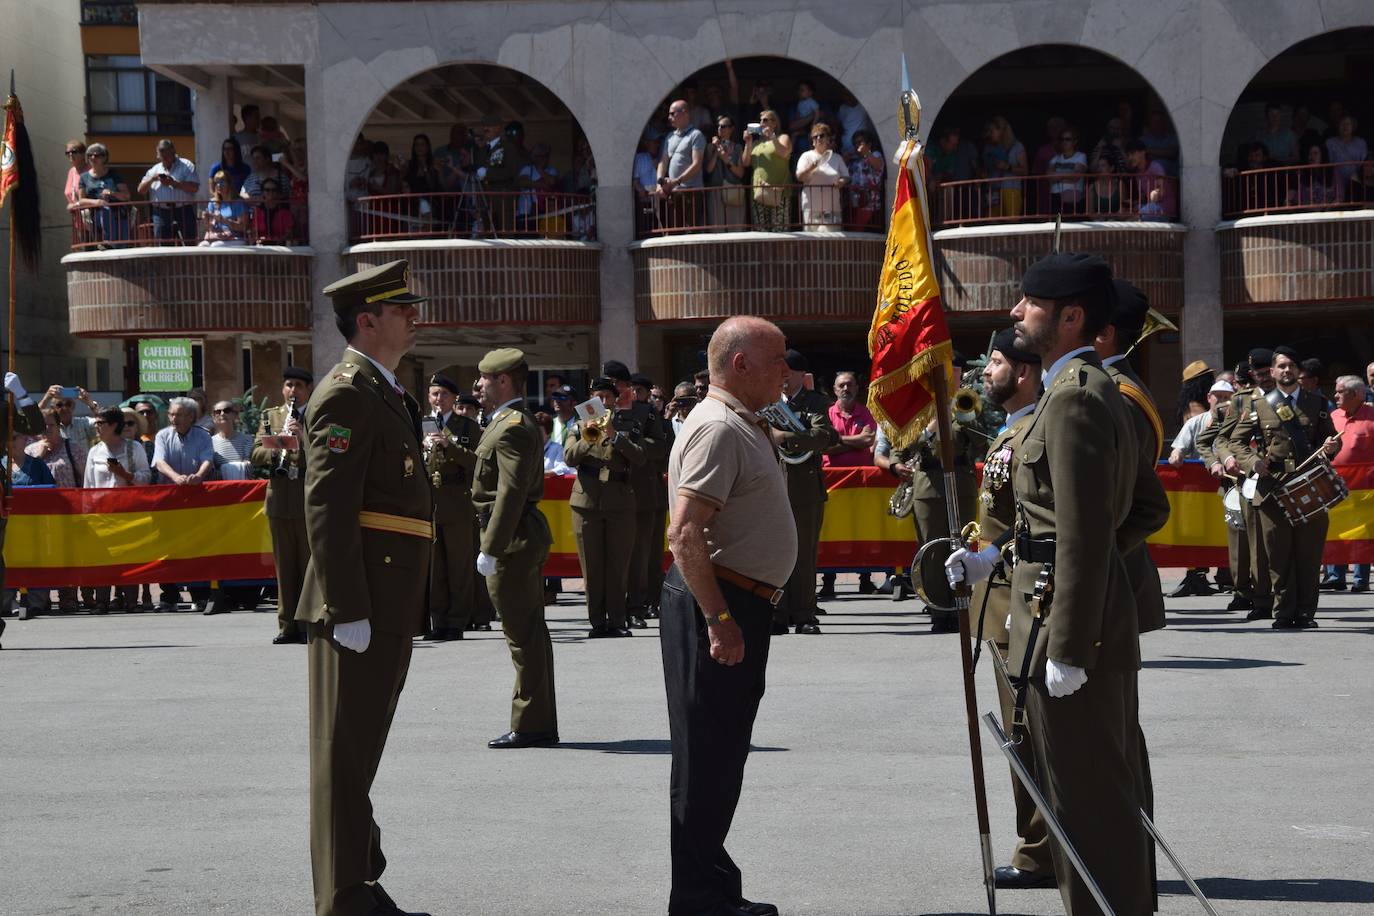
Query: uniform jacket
x=648, y=430
x=508, y=484
x=1257, y=434
x=363, y=454
x=503, y=164
x=927, y=479
x=454, y=461
x=1207, y=436
x=1144, y=575
x=996, y=513
x=1078, y=482
x=805, y=482
x=613, y=461
x=285, y=496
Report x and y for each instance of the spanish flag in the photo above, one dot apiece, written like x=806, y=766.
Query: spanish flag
x=908, y=338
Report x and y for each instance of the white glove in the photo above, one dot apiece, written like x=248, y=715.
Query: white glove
x=1062, y=680
x=356, y=635
x=963, y=566
x=486, y=564
x=482, y=173
x=15, y=387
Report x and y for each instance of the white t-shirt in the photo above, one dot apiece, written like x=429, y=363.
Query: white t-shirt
x=181, y=170
x=1064, y=165
x=820, y=199
x=132, y=457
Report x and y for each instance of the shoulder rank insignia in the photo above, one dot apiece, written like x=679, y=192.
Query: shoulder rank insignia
x=339, y=439
x=1285, y=412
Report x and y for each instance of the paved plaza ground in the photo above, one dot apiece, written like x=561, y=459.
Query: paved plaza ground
x=156, y=764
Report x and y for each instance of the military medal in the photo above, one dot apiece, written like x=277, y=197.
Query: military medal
x=408, y=463
x=997, y=471
x=604, y=475
x=1285, y=412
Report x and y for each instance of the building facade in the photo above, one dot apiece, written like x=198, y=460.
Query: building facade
x=649, y=295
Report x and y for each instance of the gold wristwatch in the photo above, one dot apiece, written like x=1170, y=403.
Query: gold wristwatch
x=717, y=618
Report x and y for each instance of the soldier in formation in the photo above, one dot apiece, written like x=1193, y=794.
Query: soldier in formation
x=285, y=471
x=450, y=442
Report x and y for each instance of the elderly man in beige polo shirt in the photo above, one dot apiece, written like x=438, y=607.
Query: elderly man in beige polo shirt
x=734, y=545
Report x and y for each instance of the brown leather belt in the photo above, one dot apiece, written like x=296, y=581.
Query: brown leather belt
x=770, y=593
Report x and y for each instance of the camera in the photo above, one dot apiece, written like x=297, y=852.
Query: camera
x=754, y=128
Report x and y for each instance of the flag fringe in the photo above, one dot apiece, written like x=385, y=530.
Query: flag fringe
x=934, y=358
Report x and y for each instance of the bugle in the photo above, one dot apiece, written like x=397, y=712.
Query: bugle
x=784, y=419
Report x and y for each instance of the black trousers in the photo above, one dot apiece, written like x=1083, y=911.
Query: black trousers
x=711, y=710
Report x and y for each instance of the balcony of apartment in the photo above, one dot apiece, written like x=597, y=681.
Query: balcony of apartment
x=148, y=269
x=990, y=230
x=782, y=252
x=526, y=258
x=1301, y=233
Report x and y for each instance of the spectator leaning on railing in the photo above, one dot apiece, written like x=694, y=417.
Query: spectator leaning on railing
x=728, y=204
x=866, y=169
x=183, y=455
x=79, y=432
x=680, y=168
x=101, y=187
x=114, y=460
x=225, y=216
x=232, y=446
x=170, y=186
x=1004, y=158
x=768, y=152
x=264, y=169
x=822, y=172
x=1280, y=142
x=76, y=161
x=273, y=221
x=1346, y=149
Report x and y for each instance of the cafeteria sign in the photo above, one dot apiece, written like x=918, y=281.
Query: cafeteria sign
x=164, y=365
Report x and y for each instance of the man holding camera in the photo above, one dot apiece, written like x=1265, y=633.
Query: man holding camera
x=285, y=471
x=171, y=185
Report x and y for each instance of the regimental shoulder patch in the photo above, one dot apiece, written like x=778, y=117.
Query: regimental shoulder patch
x=339, y=439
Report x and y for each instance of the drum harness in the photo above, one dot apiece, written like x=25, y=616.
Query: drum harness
x=1292, y=425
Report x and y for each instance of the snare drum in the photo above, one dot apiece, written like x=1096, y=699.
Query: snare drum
x=1310, y=493
x=1231, y=505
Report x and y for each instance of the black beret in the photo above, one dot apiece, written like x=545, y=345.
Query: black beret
x=796, y=362
x=1131, y=305
x=642, y=380
x=1005, y=340
x=1285, y=350
x=296, y=372
x=469, y=400
x=440, y=380
x=1067, y=273
x=602, y=384
x=615, y=369
x=1261, y=358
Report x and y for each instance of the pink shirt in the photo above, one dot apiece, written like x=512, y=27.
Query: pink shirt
x=850, y=425
x=73, y=188
x=1357, y=439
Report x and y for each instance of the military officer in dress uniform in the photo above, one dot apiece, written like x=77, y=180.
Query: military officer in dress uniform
x=515, y=542
x=29, y=421
x=285, y=471
x=1275, y=435
x=498, y=164
x=805, y=492
x=1261, y=373
x=603, y=511
x=482, y=613
x=1237, y=547
x=450, y=441
x=636, y=419
x=1075, y=645
x=1010, y=381
x=368, y=514
x=656, y=460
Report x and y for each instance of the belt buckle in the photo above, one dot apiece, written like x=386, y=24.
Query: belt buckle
x=775, y=598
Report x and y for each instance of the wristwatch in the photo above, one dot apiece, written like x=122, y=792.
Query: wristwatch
x=717, y=618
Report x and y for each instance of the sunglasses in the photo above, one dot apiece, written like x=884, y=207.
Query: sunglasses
x=95, y=155
x=75, y=152
x=62, y=405
x=224, y=410
x=148, y=413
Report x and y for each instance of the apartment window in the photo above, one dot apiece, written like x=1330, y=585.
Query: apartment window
x=123, y=97
x=108, y=12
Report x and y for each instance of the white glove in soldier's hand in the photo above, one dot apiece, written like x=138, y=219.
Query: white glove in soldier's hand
x=486, y=564
x=15, y=387
x=356, y=635
x=1061, y=679
x=966, y=566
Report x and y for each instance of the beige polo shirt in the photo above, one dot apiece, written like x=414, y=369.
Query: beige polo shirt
x=722, y=458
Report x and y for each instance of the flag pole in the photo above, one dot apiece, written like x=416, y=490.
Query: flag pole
x=909, y=117
x=11, y=102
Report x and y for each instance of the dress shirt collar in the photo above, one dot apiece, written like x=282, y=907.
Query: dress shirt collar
x=1113, y=360
x=509, y=403
x=386, y=373
x=1047, y=377
x=1017, y=414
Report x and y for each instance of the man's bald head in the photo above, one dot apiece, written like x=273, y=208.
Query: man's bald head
x=746, y=358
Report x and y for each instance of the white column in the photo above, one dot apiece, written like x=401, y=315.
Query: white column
x=328, y=221
x=211, y=126
x=619, y=338
x=1200, y=187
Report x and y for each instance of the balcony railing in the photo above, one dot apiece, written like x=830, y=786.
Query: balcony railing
x=1036, y=198
x=109, y=12
x=1297, y=189
x=772, y=208
x=473, y=215
x=143, y=224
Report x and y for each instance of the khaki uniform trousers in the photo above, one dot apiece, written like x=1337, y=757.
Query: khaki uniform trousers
x=1295, y=559
x=483, y=611
x=452, y=569
x=798, y=604
x=1032, y=851
x=605, y=543
x=352, y=702
x=517, y=590
x=291, y=553
x=1238, y=558
x=638, y=595
x=1260, y=581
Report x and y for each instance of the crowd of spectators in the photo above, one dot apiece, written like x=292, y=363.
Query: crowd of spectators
x=1123, y=174
x=260, y=200
x=712, y=161
x=1333, y=162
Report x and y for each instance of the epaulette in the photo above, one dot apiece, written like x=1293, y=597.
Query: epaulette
x=346, y=373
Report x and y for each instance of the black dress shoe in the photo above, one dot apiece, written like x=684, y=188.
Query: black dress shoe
x=619, y=632
x=866, y=586
x=288, y=638
x=1287, y=623
x=779, y=629
x=482, y=626
x=1240, y=602
x=601, y=632
x=808, y=629
x=523, y=739
x=651, y=612
x=755, y=908
x=821, y=611
x=1359, y=587
x=639, y=623
x=1331, y=585
x=1308, y=623
x=385, y=906
x=1009, y=877
x=1192, y=584
x=825, y=591
x=1259, y=614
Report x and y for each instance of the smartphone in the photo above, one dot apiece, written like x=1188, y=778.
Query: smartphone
x=429, y=426
x=70, y=391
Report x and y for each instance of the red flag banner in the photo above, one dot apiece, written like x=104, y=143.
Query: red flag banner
x=908, y=338
x=9, y=157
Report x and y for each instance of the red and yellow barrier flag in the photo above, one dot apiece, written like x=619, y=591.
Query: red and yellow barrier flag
x=908, y=338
